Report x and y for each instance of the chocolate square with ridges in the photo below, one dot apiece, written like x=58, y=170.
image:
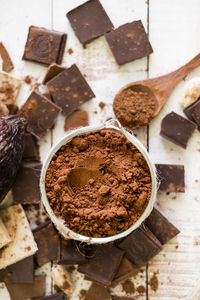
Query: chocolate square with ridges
x=69, y=90
x=40, y=113
x=129, y=42
x=171, y=178
x=44, y=46
x=89, y=21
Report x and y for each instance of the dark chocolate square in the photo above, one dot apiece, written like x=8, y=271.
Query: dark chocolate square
x=31, y=148
x=20, y=272
x=89, y=21
x=193, y=111
x=44, y=46
x=48, y=243
x=26, y=189
x=129, y=42
x=177, y=129
x=171, y=178
x=40, y=113
x=69, y=90
x=70, y=253
x=52, y=71
x=160, y=226
x=104, y=265
x=140, y=246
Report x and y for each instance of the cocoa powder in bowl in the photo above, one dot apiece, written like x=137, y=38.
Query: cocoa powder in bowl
x=115, y=194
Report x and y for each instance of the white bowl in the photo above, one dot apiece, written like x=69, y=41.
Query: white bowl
x=66, y=232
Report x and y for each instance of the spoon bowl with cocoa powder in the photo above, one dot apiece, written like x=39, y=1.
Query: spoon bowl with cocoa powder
x=137, y=103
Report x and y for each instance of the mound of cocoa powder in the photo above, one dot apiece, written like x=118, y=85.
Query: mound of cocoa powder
x=117, y=191
x=134, y=109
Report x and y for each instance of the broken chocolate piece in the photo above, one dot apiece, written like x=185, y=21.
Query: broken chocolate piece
x=26, y=189
x=193, y=111
x=140, y=246
x=104, y=265
x=160, y=226
x=48, y=243
x=129, y=42
x=24, y=291
x=171, y=177
x=70, y=254
x=97, y=292
x=69, y=90
x=7, y=65
x=20, y=272
x=62, y=279
x=40, y=113
x=44, y=46
x=89, y=21
x=58, y=296
x=52, y=71
x=31, y=148
x=177, y=129
x=77, y=119
x=125, y=271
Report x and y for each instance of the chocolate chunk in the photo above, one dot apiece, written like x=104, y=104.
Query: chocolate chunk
x=44, y=46
x=104, y=265
x=70, y=254
x=193, y=111
x=52, y=71
x=22, y=271
x=31, y=148
x=69, y=90
x=129, y=42
x=177, y=129
x=89, y=21
x=58, y=296
x=7, y=65
x=40, y=113
x=125, y=271
x=76, y=119
x=48, y=243
x=24, y=291
x=96, y=292
x=171, y=177
x=160, y=226
x=26, y=188
x=140, y=246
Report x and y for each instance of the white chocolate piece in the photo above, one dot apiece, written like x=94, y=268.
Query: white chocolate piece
x=62, y=279
x=23, y=243
x=5, y=238
x=8, y=81
x=191, y=92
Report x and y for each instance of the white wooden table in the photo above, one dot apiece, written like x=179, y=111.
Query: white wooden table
x=174, y=31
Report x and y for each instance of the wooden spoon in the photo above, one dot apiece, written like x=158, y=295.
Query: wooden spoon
x=160, y=88
x=81, y=176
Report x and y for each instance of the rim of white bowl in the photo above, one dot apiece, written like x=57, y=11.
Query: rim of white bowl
x=59, y=223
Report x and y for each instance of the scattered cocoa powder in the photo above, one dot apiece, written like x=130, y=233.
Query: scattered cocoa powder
x=134, y=109
x=7, y=96
x=141, y=289
x=28, y=79
x=115, y=191
x=76, y=119
x=70, y=51
x=154, y=282
x=102, y=105
x=128, y=287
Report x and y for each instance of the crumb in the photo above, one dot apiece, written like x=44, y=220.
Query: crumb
x=70, y=51
x=141, y=289
x=95, y=112
x=174, y=197
x=28, y=79
x=102, y=105
x=176, y=246
x=154, y=282
x=128, y=286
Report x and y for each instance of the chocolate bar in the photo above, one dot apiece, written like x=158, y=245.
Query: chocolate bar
x=171, y=178
x=69, y=90
x=177, y=129
x=52, y=71
x=160, y=226
x=129, y=42
x=89, y=21
x=140, y=246
x=44, y=46
x=193, y=112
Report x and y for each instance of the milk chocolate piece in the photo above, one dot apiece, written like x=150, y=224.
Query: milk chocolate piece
x=26, y=189
x=7, y=65
x=193, y=111
x=89, y=21
x=52, y=71
x=24, y=291
x=58, y=296
x=20, y=272
x=40, y=113
x=104, y=265
x=97, y=292
x=129, y=42
x=48, y=243
x=44, y=46
x=177, y=129
x=69, y=90
x=31, y=148
x=140, y=246
x=125, y=271
x=171, y=177
x=70, y=254
x=160, y=226
x=77, y=119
